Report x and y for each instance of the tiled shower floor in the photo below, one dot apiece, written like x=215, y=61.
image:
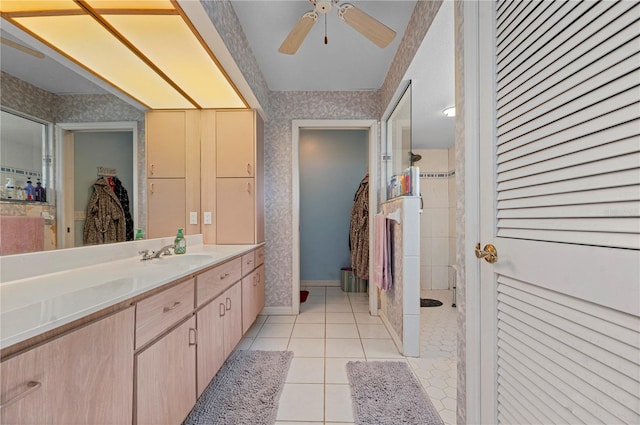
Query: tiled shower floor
x=334, y=327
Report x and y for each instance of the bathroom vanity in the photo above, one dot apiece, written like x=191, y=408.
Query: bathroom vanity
x=124, y=341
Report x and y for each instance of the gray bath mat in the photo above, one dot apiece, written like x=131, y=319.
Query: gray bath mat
x=387, y=393
x=246, y=390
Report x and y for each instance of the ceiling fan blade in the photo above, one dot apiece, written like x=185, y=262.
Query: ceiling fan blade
x=22, y=48
x=380, y=34
x=299, y=32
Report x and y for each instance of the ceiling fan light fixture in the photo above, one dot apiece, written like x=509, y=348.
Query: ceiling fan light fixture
x=449, y=112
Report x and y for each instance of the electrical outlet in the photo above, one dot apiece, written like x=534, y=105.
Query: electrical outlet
x=193, y=217
x=207, y=217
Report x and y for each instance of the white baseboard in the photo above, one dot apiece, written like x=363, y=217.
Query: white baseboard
x=319, y=283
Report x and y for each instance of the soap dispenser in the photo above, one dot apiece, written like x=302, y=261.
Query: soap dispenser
x=30, y=191
x=180, y=243
x=10, y=188
x=41, y=192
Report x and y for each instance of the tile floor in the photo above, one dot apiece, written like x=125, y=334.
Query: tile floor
x=334, y=327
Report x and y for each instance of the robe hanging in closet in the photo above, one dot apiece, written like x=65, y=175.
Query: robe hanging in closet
x=359, y=231
x=105, y=221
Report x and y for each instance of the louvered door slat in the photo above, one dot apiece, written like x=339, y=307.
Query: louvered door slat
x=558, y=389
x=521, y=414
x=618, y=225
x=549, y=407
x=568, y=211
x=608, y=165
x=510, y=389
x=612, y=187
x=621, y=240
x=506, y=9
x=625, y=131
x=577, y=390
x=625, y=385
x=589, y=92
x=578, y=157
x=519, y=20
x=542, y=14
x=614, y=43
x=532, y=143
x=543, y=48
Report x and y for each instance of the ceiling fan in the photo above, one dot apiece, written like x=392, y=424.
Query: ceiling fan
x=371, y=28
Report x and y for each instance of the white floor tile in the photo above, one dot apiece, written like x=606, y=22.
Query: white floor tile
x=310, y=317
x=337, y=403
x=301, y=402
x=312, y=307
x=344, y=348
x=342, y=330
x=254, y=329
x=339, y=308
x=281, y=319
x=367, y=319
x=261, y=319
x=307, y=347
x=308, y=330
x=275, y=330
x=244, y=344
x=373, y=331
x=336, y=370
x=340, y=318
x=360, y=307
x=380, y=349
x=269, y=344
x=306, y=371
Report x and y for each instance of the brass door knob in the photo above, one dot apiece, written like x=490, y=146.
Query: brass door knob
x=489, y=253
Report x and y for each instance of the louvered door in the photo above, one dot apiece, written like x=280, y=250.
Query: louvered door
x=561, y=307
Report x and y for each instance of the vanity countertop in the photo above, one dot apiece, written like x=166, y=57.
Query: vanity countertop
x=35, y=305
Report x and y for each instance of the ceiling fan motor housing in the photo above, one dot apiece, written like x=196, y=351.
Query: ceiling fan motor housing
x=323, y=6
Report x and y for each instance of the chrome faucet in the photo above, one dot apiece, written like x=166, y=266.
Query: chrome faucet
x=165, y=250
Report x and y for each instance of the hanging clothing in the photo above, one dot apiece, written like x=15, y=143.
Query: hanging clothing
x=105, y=221
x=359, y=231
x=123, y=197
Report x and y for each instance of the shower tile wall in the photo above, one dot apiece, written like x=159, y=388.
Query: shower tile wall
x=437, y=227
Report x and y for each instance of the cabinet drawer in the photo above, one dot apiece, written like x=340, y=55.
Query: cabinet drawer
x=248, y=263
x=260, y=256
x=213, y=282
x=159, y=312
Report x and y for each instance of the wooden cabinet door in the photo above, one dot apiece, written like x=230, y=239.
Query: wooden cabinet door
x=166, y=135
x=233, y=318
x=235, y=144
x=166, y=207
x=210, y=321
x=249, y=284
x=166, y=377
x=84, y=377
x=235, y=221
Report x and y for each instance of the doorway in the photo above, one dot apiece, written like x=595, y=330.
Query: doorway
x=110, y=145
x=300, y=125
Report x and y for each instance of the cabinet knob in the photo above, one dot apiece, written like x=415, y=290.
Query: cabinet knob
x=151, y=169
x=248, y=168
x=152, y=187
x=228, y=302
x=249, y=188
x=223, y=310
x=194, y=340
x=224, y=276
x=172, y=307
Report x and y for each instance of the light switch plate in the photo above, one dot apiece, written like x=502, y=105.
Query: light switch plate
x=193, y=217
x=207, y=217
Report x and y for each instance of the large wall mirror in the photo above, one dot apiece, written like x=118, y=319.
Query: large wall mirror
x=398, y=139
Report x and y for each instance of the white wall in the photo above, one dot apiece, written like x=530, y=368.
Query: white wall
x=437, y=227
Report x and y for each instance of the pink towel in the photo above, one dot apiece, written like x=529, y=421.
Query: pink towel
x=380, y=230
x=21, y=234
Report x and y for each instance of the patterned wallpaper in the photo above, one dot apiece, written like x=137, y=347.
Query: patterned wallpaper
x=285, y=107
x=24, y=97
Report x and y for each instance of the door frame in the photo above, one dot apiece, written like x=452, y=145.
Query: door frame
x=64, y=171
x=472, y=296
x=297, y=125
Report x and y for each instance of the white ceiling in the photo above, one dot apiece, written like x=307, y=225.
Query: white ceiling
x=348, y=62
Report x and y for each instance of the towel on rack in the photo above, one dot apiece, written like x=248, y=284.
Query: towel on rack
x=382, y=271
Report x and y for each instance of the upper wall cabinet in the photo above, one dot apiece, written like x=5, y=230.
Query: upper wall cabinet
x=173, y=171
x=235, y=144
x=166, y=138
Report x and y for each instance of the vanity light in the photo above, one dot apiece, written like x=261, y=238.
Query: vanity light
x=449, y=112
x=147, y=49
